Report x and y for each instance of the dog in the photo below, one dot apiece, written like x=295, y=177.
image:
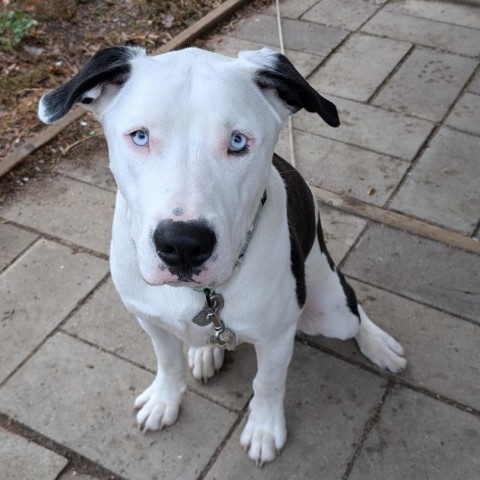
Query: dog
x=216, y=240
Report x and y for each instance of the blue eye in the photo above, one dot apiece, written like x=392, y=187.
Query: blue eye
x=238, y=143
x=140, y=137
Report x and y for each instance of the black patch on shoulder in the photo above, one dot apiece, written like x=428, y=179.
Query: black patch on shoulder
x=323, y=246
x=349, y=292
x=109, y=65
x=301, y=222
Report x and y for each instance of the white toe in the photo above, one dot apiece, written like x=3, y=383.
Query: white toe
x=205, y=362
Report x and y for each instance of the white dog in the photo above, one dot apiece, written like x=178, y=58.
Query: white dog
x=215, y=244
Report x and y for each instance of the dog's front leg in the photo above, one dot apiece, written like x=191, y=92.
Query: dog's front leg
x=265, y=432
x=159, y=404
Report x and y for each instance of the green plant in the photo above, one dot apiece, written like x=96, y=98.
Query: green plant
x=13, y=27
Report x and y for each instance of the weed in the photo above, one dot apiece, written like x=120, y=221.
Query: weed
x=13, y=27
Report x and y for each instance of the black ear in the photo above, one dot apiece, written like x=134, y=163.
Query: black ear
x=279, y=74
x=109, y=66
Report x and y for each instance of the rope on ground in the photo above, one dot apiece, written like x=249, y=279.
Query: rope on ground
x=282, y=49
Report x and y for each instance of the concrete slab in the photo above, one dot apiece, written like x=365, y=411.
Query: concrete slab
x=464, y=115
x=369, y=127
x=105, y=322
x=37, y=292
x=293, y=9
x=457, y=13
x=24, y=460
x=347, y=14
x=444, y=36
x=305, y=63
x=421, y=436
x=86, y=405
x=371, y=58
x=438, y=78
x=13, y=241
x=328, y=403
x=421, y=269
x=71, y=210
x=474, y=86
x=443, y=186
x=74, y=475
x=340, y=230
x=302, y=36
x=442, y=350
x=346, y=169
x=91, y=169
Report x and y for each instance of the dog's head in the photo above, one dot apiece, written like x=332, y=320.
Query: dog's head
x=191, y=136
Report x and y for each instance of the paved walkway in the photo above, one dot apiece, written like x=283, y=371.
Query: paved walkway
x=405, y=77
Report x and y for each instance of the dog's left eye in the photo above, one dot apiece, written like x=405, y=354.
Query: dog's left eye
x=140, y=137
x=238, y=143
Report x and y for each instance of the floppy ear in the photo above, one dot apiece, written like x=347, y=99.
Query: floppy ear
x=93, y=86
x=276, y=72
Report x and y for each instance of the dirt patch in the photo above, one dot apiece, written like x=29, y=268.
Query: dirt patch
x=57, y=47
x=45, y=42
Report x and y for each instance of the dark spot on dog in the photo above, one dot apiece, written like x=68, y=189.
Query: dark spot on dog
x=178, y=212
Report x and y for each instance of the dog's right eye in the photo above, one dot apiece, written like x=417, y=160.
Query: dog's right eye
x=140, y=137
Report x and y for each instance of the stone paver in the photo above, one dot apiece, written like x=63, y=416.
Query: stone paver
x=327, y=405
x=291, y=9
x=370, y=127
x=340, y=230
x=105, y=322
x=346, y=169
x=474, y=87
x=74, y=475
x=464, y=115
x=62, y=207
x=458, y=13
x=451, y=38
x=421, y=269
x=303, y=36
x=92, y=169
x=347, y=14
x=420, y=439
x=305, y=63
x=438, y=78
x=372, y=59
x=13, y=241
x=52, y=280
x=443, y=186
x=86, y=405
x=442, y=350
x=404, y=75
x=24, y=460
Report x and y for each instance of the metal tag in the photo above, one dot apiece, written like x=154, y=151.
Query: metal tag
x=208, y=313
x=225, y=339
x=203, y=317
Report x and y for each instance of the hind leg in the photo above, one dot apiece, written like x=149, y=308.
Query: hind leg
x=332, y=310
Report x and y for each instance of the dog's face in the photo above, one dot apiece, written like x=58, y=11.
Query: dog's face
x=191, y=136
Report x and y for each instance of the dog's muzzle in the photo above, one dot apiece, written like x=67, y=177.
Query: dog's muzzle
x=184, y=246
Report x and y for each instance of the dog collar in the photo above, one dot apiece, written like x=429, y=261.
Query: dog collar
x=223, y=337
x=246, y=242
x=251, y=230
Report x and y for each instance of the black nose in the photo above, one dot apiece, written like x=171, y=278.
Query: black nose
x=184, y=245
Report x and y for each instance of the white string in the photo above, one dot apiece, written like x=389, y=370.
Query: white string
x=282, y=49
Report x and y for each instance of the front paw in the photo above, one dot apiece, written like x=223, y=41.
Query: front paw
x=205, y=362
x=158, y=406
x=264, y=434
